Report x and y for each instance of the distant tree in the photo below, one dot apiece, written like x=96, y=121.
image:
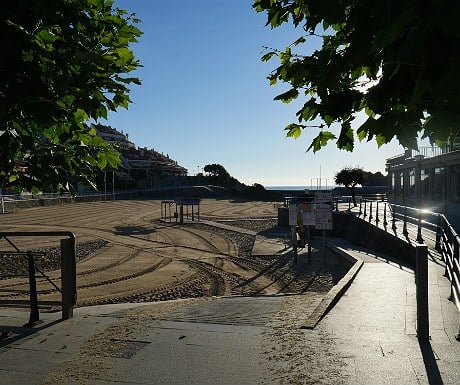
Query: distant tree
x=63, y=64
x=216, y=170
x=350, y=177
x=374, y=179
x=396, y=61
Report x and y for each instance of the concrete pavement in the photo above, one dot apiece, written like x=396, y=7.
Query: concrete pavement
x=368, y=337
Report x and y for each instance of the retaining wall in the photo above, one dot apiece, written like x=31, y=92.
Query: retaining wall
x=365, y=234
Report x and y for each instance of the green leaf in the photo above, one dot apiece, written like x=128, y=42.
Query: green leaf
x=442, y=125
x=268, y=56
x=294, y=130
x=80, y=116
x=346, y=138
x=321, y=140
x=300, y=40
x=288, y=96
x=381, y=140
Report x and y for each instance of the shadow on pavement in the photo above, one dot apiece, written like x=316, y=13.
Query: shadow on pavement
x=11, y=334
x=431, y=367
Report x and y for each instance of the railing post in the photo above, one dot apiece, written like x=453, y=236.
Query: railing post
x=377, y=213
x=393, y=220
x=34, y=314
x=370, y=211
x=457, y=272
x=365, y=212
x=68, y=277
x=360, y=204
x=438, y=234
x=3, y=205
x=454, y=273
x=421, y=277
x=385, y=223
x=405, y=222
x=349, y=203
x=419, y=227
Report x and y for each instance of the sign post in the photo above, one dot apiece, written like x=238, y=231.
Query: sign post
x=323, y=215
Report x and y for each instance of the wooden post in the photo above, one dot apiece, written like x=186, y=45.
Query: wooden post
x=309, y=243
x=68, y=277
x=294, y=242
x=421, y=278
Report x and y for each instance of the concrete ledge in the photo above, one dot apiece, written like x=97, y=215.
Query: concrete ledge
x=337, y=291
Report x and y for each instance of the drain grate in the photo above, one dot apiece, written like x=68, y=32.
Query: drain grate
x=244, y=311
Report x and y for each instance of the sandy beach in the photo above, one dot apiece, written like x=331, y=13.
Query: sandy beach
x=127, y=253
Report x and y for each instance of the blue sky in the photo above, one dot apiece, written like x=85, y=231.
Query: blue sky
x=205, y=98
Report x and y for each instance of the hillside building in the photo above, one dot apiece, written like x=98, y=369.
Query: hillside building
x=137, y=158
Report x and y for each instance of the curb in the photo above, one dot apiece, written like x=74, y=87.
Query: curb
x=337, y=291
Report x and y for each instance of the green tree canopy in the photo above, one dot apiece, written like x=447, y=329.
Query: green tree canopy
x=216, y=170
x=350, y=177
x=374, y=179
x=63, y=63
x=397, y=61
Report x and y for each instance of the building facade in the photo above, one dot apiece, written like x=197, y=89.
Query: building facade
x=428, y=178
x=137, y=158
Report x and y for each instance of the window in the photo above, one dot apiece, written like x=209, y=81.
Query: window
x=439, y=180
x=401, y=182
x=412, y=182
x=425, y=182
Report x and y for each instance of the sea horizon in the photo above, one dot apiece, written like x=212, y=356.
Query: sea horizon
x=299, y=188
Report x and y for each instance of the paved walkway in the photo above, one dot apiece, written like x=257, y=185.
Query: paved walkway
x=368, y=337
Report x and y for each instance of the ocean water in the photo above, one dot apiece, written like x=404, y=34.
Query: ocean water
x=298, y=188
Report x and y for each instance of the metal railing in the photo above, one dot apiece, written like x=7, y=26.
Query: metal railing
x=68, y=288
x=448, y=244
x=417, y=226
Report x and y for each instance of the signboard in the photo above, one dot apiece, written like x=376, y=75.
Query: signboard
x=301, y=214
x=308, y=214
x=293, y=215
x=323, y=210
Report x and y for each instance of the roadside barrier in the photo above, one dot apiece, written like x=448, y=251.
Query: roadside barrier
x=417, y=226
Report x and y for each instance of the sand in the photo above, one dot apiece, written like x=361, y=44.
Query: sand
x=127, y=253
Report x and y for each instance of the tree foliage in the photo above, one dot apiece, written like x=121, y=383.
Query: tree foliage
x=397, y=61
x=350, y=177
x=374, y=179
x=63, y=63
x=216, y=170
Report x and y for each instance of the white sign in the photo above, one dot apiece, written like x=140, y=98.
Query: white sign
x=293, y=215
x=323, y=210
x=302, y=214
x=323, y=197
x=308, y=214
